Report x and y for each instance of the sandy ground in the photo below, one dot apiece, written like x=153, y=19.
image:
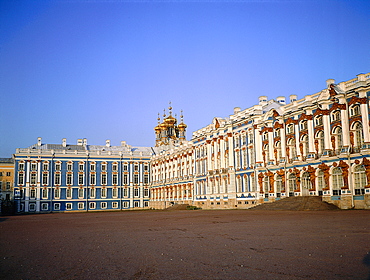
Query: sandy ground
x=213, y=244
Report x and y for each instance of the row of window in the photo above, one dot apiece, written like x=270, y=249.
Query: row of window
x=81, y=179
x=5, y=174
x=81, y=205
x=93, y=193
x=81, y=166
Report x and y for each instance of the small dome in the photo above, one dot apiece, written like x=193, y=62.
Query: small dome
x=170, y=120
x=182, y=126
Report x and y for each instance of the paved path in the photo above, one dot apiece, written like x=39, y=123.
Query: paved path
x=213, y=244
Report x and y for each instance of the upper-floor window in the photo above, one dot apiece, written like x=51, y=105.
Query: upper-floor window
x=69, y=166
x=318, y=121
x=115, y=167
x=355, y=110
x=81, y=166
x=103, y=166
x=125, y=167
x=92, y=166
x=290, y=128
x=33, y=166
x=21, y=166
x=146, y=167
x=58, y=166
x=265, y=136
x=136, y=167
x=45, y=166
x=335, y=116
x=303, y=125
x=277, y=133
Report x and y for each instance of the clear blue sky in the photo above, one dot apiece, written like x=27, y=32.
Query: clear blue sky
x=104, y=69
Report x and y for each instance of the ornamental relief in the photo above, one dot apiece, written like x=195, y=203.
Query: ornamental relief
x=356, y=99
x=319, y=112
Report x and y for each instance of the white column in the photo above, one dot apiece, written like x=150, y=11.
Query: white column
x=296, y=133
x=365, y=122
x=231, y=151
x=283, y=142
x=311, y=137
x=222, y=153
x=271, y=146
x=209, y=155
x=345, y=127
x=258, y=146
x=326, y=120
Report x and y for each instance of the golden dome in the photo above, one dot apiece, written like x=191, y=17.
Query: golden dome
x=170, y=120
x=182, y=126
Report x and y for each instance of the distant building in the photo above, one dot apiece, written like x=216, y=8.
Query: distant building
x=315, y=146
x=81, y=177
x=6, y=185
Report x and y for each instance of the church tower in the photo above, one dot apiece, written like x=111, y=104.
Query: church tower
x=169, y=132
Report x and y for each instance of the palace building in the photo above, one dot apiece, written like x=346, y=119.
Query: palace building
x=315, y=146
x=81, y=177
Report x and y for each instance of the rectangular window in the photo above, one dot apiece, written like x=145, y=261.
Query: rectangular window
x=103, y=205
x=136, y=167
x=21, y=179
x=21, y=166
x=92, y=205
x=103, y=192
x=103, y=179
x=146, y=192
x=56, y=193
x=80, y=179
x=125, y=167
x=92, y=193
x=115, y=192
x=57, y=179
x=146, y=203
x=146, y=179
x=33, y=178
x=33, y=166
x=146, y=167
x=80, y=193
x=69, y=178
x=81, y=167
x=136, y=192
x=69, y=193
x=58, y=166
x=104, y=167
x=125, y=179
x=136, y=179
x=69, y=206
x=125, y=204
x=32, y=207
x=45, y=193
x=57, y=206
x=1, y=174
x=45, y=177
x=125, y=192
x=44, y=206
x=115, y=204
x=33, y=193
x=92, y=166
x=45, y=166
x=69, y=166
x=92, y=179
x=8, y=174
x=8, y=185
x=115, y=167
x=115, y=179
x=136, y=204
x=80, y=205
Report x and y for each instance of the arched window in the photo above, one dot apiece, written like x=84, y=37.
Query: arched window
x=321, y=144
x=359, y=135
x=304, y=141
x=292, y=184
x=266, y=185
x=292, y=149
x=306, y=183
x=279, y=152
x=360, y=180
x=277, y=132
x=320, y=181
x=290, y=129
x=267, y=154
x=279, y=185
x=337, y=132
x=337, y=179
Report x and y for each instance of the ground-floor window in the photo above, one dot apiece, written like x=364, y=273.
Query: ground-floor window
x=92, y=205
x=32, y=207
x=146, y=203
x=136, y=204
x=57, y=206
x=44, y=206
x=115, y=204
x=103, y=205
x=125, y=204
x=69, y=206
x=81, y=205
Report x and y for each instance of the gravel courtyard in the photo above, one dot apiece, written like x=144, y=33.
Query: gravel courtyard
x=185, y=244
